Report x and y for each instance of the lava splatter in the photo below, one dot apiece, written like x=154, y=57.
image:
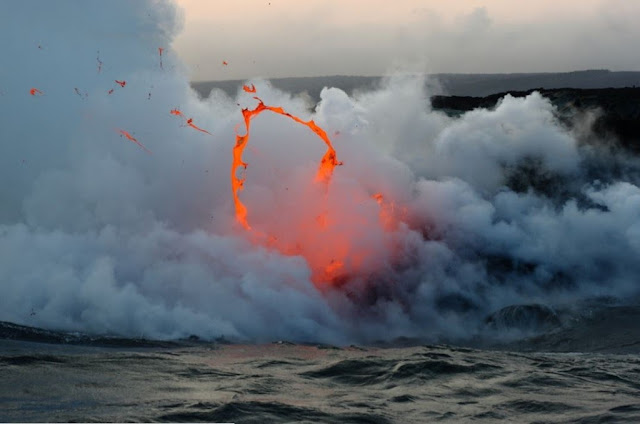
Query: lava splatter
x=176, y=112
x=192, y=125
x=327, y=164
x=188, y=122
x=133, y=139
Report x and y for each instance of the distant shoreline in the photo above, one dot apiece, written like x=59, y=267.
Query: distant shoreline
x=477, y=85
x=601, y=327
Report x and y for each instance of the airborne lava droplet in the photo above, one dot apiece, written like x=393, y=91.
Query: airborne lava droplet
x=176, y=112
x=189, y=121
x=192, y=125
x=133, y=139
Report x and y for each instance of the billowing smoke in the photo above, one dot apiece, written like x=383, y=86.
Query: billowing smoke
x=494, y=208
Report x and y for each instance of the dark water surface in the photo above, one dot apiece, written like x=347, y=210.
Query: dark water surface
x=295, y=383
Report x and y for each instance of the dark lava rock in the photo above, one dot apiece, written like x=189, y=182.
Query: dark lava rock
x=528, y=318
x=11, y=331
x=618, y=117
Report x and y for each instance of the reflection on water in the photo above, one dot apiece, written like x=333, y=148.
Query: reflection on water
x=285, y=383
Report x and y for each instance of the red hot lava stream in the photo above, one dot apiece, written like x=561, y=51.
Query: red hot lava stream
x=328, y=162
x=331, y=252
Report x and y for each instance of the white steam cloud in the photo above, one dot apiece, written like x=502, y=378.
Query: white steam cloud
x=96, y=235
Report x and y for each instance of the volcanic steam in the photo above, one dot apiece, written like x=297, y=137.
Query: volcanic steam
x=422, y=232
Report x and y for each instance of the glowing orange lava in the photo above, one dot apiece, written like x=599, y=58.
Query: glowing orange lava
x=341, y=234
x=121, y=83
x=133, y=139
x=176, y=112
x=35, y=92
x=249, y=89
x=328, y=162
x=189, y=121
x=389, y=216
x=192, y=125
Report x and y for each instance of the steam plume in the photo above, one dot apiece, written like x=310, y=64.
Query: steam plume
x=97, y=236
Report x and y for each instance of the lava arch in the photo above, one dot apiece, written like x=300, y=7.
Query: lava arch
x=325, y=170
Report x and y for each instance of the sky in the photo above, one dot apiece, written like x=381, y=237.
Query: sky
x=284, y=38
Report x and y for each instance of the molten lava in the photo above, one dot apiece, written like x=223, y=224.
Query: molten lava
x=176, y=112
x=335, y=239
x=328, y=162
x=340, y=234
x=189, y=121
x=389, y=215
x=192, y=125
x=133, y=139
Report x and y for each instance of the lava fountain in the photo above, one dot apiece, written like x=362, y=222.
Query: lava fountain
x=335, y=241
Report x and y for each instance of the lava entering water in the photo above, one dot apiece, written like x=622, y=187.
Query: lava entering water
x=337, y=241
x=328, y=162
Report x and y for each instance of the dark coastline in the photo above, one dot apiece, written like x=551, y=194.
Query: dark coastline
x=613, y=97
x=616, y=110
x=603, y=327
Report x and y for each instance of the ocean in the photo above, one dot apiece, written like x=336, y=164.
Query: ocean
x=194, y=381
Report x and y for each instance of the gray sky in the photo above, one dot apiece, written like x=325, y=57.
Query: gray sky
x=280, y=38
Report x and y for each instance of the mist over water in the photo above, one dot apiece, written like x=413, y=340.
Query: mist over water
x=494, y=208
